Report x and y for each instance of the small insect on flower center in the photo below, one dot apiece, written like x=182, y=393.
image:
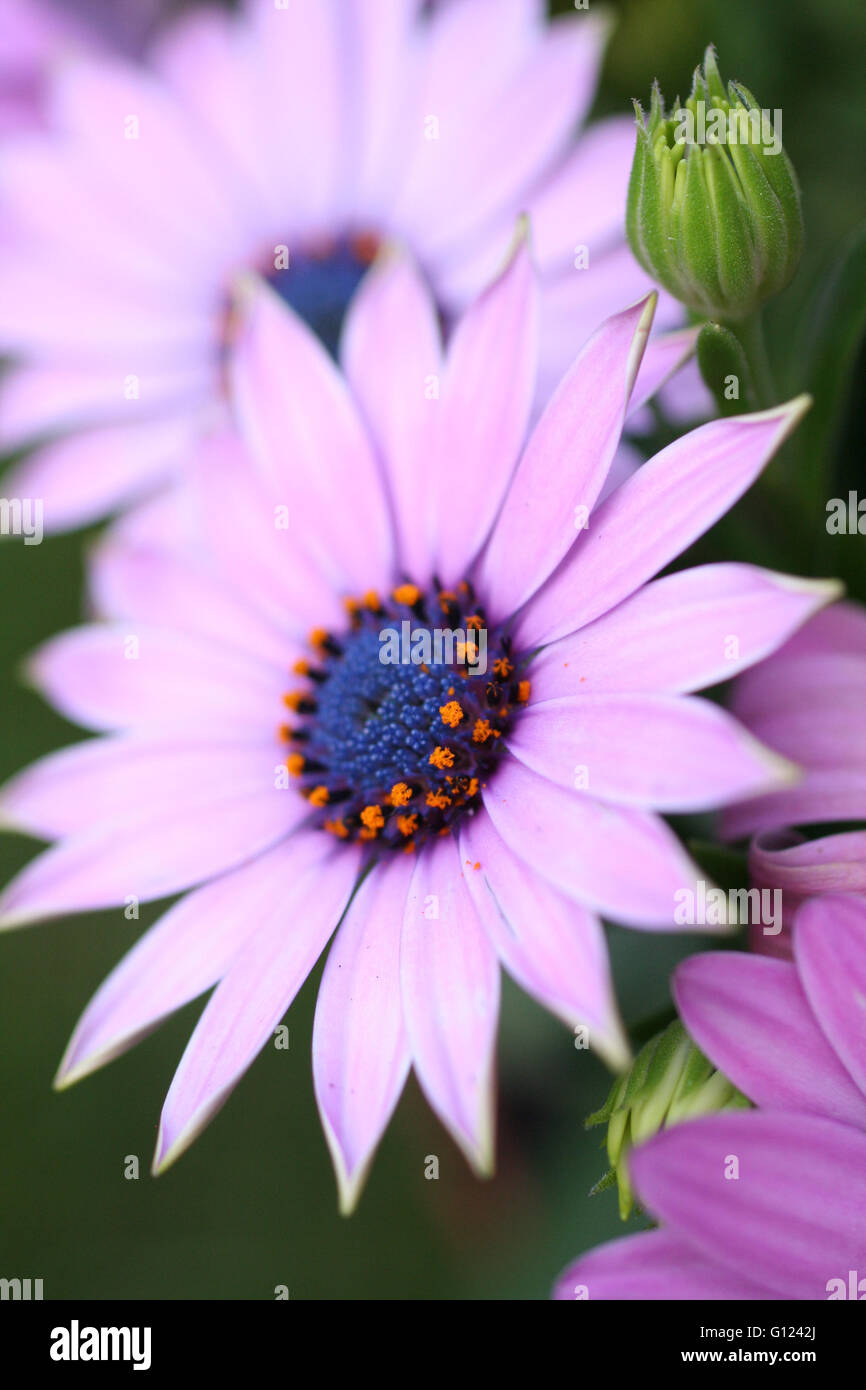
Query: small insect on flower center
x=319, y=280
x=399, y=720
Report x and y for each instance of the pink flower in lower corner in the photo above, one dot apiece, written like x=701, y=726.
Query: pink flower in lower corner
x=808, y=700
x=293, y=141
x=451, y=808
x=768, y=1203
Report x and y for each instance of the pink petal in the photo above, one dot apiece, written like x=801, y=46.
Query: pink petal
x=654, y=516
x=130, y=581
x=654, y=1266
x=305, y=904
x=111, y=676
x=565, y=461
x=277, y=364
x=450, y=984
x=581, y=845
x=360, y=1050
x=105, y=781
x=553, y=947
x=793, y=1219
x=663, y=752
x=487, y=394
x=83, y=476
x=830, y=951
x=391, y=353
x=187, y=950
x=686, y=631
x=150, y=854
x=240, y=518
x=751, y=1017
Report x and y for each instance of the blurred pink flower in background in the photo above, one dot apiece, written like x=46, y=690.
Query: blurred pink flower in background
x=792, y=1223
x=36, y=34
x=292, y=141
x=530, y=794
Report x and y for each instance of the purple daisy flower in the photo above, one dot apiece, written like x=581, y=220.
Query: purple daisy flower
x=294, y=141
x=500, y=805
x=769, y=1203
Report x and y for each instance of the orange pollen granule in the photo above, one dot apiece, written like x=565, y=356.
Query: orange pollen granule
x=482, y=731
x=406, y=593
x=373, y=818
x=319, y=796
x=474, y=622
x=318, y=637
x=400, y=794
x=338, y=828
x=502, y=666
x=284, y=733
x=446, y=598
x=523, y=689
x=292, y=699
x=467, y=652
x=438, y=800
x=407, y=825
x=301, y=666
x=451, y=714
x=295, y=764
x=472, y=789
x=441, y=757
x=371, y=600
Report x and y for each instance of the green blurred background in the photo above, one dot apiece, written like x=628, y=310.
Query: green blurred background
x=252, y=1205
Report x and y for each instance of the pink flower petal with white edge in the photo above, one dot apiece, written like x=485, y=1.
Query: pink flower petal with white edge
x=248, y=529
x=653, y=517
x=487, y=393
x=82, y=476
x=830, y=952
x=360, y=1049
x=753, y=1020
x=506, y=106
x=565, y=462
x=133, y=582
x=793, y=1219
x=661, y=752
x=110, y=780
x=684, y=632
x=621, y=862
x=391, y=352
x=306, y=901
x=450, y=988
x=654, y=1266
x=184, y=953
x=152, y=853
x=552, y=947
x=42, y=400
x=279, y=364
x=114, y=676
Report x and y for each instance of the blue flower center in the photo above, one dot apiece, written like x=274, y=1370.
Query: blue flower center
x=401, y=719
x=319, y=281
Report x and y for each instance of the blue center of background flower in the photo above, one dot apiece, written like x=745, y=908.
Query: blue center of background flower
x=319, y=283
x=403, y=716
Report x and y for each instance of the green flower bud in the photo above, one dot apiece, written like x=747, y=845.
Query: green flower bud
x=713, y=203
x=669, y=1081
